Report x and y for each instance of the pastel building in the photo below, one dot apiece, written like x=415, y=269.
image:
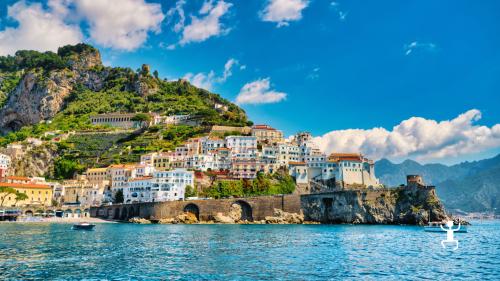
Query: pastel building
x=267, y=134
x=4, y=165
x=39, y=194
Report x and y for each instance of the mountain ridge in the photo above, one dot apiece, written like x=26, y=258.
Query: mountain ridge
x=469, y=186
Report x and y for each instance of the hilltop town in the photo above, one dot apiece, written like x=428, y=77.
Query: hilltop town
x=78, y=138
x=228, y=156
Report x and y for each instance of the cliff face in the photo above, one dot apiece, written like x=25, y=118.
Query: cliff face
x=33, y=160
x=40, y=95
x=387, y=206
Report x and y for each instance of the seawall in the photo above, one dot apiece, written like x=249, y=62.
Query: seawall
x=253, y=208
x=405, y=205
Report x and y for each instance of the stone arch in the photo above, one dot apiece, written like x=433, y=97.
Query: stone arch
x=39, y=212
x=78, y=213
x=59, y=213
x=28, y=213
x=124, y=214
x=68, y=213
x=116, y=214
x=243, y=208
x=86, y=212
x=50, y=213
x=109, y=213
x=193, y=209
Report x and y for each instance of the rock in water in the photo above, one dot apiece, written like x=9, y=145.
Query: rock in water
x=139, y=220
x=281, y=217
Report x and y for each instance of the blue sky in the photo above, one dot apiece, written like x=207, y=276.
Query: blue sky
x=322, y=66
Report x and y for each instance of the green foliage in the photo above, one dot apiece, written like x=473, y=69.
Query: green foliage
x=8, y=81
x=25, y=59
x=190, y=192
x=66, y=168
x=5, y=191
x=20, y=196
x=141, y=117
x=118, y=197
x=70, y=50
x=277, y=183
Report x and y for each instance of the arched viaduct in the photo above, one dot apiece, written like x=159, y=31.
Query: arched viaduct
x=253, y=208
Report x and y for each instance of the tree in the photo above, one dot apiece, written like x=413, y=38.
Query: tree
x=190, y=191
x=141, y=117
x=6, y=191
x=20, y=196
x=155, y=74
x=119, y=197
x=66, y=169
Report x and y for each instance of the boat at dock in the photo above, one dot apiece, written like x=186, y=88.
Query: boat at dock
x=436, y=227
x=83, y=226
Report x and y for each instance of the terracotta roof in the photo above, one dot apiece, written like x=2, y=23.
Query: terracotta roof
x=140, y=178
x=25, y=185
x=335, y=157
x=17, y=178
x=296, y=163
x=263, y=127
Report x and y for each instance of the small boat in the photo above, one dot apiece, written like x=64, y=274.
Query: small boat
x=83, y=226
x=435, y=226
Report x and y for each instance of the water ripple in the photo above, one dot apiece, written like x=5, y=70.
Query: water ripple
x=244, y=252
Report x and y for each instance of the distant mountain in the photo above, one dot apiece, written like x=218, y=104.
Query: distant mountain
x=469, y=186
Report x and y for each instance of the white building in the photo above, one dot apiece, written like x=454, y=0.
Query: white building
x=4, y=165
x=346, y=169
x=286, y=153
x=170, y=185
x=241, y=143
x=211, y=144
x=138, y=190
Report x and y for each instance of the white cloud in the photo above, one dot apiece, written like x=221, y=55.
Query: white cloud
x=259, y=92
x=208, y=80
x=283, y=11
x=418, y=138
x=120, y=25
x=415, y=45
x=179, y=10
x=207, y=24
x=38, y=29
x=202, y=80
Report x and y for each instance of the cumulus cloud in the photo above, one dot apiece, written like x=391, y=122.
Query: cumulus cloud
x=415, y=45
x=121, y=25
x=417, y=138
x=38, y=29
x=208, y=80
x=207, y=24
x=283, y=11
x=259, y=92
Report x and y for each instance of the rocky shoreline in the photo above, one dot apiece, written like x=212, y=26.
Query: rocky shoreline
x=279, y=217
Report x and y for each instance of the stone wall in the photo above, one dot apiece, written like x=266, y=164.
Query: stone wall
x=254, y=208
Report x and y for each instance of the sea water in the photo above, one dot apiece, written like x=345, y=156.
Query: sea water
x=35, y=251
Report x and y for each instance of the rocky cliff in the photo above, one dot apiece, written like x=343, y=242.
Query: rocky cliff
x=33, y=160
x=41, y=93
x=405, y=205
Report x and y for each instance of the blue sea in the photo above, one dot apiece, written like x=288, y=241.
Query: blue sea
x=245, y=252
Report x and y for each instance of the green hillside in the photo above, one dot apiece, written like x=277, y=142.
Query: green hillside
x=99, y=89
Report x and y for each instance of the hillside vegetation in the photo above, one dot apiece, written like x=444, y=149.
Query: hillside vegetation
x=57, y=92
